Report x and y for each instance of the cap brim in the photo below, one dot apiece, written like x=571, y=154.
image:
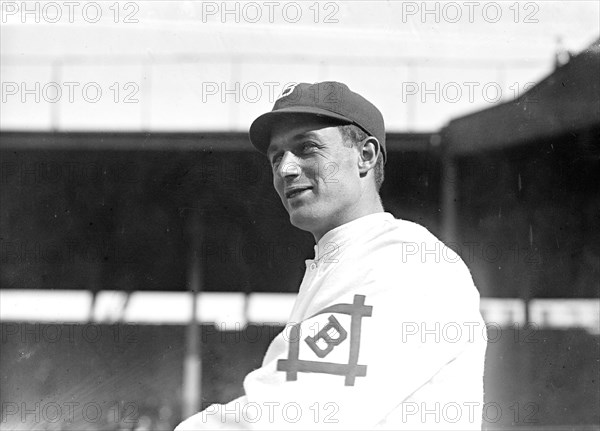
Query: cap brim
x=260, y=130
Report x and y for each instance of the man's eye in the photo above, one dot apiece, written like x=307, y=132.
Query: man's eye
x=275, y=161
x=308, y=147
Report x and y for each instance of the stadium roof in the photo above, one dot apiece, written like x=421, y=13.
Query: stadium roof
x=566, y=100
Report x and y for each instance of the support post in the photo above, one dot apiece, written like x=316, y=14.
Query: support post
x=449, y=196
x=192, y=367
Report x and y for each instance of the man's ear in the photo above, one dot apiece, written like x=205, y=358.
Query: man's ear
x=368, y=152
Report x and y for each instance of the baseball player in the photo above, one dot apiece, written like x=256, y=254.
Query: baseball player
x=385, y=332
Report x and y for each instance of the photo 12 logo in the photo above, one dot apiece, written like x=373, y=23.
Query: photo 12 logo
x=73, y=92
x=50, y=12
x=471, y=92
x=269, y=12
x=272, y=412
x=469, y=11
x=469, y=412
x=91, y=333
x=70, y=412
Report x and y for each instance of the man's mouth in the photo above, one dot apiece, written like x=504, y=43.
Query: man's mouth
x=292, y=193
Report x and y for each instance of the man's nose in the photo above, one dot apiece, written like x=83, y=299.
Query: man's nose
x=289, y=168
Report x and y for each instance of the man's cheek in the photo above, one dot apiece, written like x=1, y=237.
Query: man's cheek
x=277, y=187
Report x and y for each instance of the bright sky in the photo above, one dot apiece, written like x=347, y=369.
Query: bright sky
x=192, y=65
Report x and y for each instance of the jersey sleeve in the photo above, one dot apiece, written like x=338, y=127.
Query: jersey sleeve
x=366, y=347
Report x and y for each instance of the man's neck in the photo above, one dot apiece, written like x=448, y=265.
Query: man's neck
x=362, y=211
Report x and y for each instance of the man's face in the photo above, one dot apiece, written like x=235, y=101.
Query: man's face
x=315, y=174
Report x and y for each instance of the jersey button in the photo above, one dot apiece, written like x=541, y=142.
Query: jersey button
x=313, y=266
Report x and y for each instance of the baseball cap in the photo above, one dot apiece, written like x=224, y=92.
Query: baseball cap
x=329, y=99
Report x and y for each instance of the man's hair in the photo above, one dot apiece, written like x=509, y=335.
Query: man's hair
x=352, y=135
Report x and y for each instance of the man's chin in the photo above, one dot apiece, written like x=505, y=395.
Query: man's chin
x=303, y=220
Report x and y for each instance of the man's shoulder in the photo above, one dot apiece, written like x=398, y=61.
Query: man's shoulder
x=194, y=422
x=408, y=238
x=408, y=249
x=406, y=230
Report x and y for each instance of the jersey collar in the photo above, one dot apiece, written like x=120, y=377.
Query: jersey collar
x=336, y=238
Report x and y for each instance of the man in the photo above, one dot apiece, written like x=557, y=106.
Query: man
x=386, y=330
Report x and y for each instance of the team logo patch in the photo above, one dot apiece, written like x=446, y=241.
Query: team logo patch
x=332, y=336
x=287, y=90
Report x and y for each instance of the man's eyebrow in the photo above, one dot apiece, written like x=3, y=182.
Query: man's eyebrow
x=270, y=151
x=297, y=137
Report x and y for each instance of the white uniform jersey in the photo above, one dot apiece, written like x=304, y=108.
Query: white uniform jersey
x=385, y=333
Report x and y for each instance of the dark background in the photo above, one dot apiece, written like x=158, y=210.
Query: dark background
x=119, y=219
